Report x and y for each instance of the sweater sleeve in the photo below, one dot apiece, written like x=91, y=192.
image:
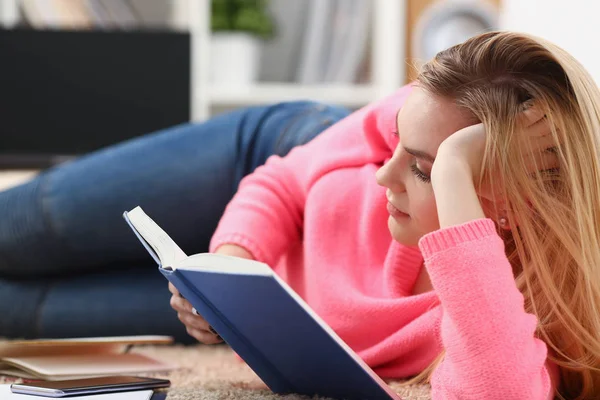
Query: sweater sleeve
x=491, y=348
x=266, y=214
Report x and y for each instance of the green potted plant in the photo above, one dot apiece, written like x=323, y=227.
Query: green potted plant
x=238, y=27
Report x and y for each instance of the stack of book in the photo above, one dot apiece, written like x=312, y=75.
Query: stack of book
x=60, y=359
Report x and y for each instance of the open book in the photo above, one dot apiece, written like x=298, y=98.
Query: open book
x=278, y=335
x=59, y=359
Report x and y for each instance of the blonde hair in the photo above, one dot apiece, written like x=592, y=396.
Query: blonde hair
x=555, y=248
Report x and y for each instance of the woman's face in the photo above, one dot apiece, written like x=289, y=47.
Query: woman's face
x=423, y=123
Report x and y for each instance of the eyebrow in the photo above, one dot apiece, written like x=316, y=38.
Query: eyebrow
x=420, y=154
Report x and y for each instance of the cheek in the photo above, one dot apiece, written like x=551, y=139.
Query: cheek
x=424, y=212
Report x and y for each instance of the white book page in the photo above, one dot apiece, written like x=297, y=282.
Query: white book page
x=167, y=250
x=7, y=394
x=224, y=264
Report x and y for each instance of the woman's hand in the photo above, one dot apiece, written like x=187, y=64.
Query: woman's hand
x=456, y=171
x=197, y=326
x=465, y=148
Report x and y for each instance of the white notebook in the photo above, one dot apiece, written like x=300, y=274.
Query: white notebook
x=6, y=394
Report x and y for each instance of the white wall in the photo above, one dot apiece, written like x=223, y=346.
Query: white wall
x=574, y=25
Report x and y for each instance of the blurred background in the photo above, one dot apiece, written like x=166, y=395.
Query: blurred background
x=76, y=75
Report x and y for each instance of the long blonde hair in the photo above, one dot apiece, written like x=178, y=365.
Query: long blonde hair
x=555, y=247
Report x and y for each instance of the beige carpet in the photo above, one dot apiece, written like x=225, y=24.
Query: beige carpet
x=215, y=373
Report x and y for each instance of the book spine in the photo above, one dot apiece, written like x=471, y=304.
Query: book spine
x=259, y=364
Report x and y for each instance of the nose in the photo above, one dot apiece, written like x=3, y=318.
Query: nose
x=389, y=176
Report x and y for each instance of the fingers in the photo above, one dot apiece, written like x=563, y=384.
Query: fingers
x=541, y=161
x=538, y=134
x=173, y=289
x=196, y=326
x=531, y=116
x=180, y=304
x=204, y=336
x=194, y=321
x=539, y=145
x=540, y=128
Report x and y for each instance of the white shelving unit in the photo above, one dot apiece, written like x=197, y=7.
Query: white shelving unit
x=387, y=62
x=387, y=66
x=349, y=95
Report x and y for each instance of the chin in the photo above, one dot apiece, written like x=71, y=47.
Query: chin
x=402, y=233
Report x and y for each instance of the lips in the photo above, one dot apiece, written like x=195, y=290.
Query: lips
x=394, y=212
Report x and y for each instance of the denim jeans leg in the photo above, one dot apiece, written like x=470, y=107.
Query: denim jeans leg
x=63, y=230
x=132, y=301
x=69, y=218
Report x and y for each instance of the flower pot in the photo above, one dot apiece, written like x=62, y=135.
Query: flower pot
x=234, y=58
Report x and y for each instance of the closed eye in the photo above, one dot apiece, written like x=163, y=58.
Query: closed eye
x=420, y=174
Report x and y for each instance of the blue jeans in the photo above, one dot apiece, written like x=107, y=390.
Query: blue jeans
x=70, y=266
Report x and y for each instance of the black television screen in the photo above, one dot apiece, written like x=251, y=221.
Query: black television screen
x=65, y=93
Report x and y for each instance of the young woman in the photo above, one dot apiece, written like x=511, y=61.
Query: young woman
x=489, y=285
x=447, y=233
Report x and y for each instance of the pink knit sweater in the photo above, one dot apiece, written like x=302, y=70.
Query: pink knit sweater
x=319, y=218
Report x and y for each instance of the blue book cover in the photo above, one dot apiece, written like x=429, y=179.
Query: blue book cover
x=263, y=320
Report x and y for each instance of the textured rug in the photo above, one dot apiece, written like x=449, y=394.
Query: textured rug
x=215, y=373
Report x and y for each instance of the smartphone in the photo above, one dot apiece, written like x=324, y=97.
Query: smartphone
x=107, y=384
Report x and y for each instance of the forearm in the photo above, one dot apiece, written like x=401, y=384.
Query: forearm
x=492, y=351
x=484, y=334
x=455, y=194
